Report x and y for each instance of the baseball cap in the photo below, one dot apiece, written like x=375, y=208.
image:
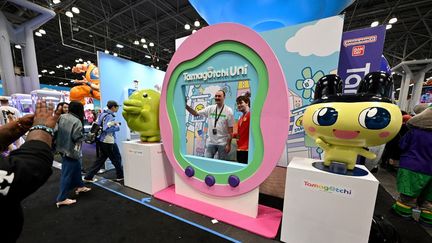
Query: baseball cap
x=112, y=103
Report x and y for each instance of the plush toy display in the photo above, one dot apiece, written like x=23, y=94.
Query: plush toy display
x=415, y=171
x=141, y=112
x=89, y=84
x=344, y=125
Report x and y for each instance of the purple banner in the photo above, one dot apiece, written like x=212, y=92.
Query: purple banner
x=360, y=54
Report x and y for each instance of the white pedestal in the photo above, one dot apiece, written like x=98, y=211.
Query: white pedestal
x=246, y=204
x=325, y=207
x=146, y=167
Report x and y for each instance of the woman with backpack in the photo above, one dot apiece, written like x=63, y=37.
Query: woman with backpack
x=69, y=140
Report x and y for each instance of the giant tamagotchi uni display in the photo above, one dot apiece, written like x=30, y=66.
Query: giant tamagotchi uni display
x=221, y=57
x=344, y=125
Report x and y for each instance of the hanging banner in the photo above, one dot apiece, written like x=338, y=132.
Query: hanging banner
x=360, y=54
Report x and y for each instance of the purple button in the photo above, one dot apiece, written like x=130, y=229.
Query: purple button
x=189, y=171
x=233, y=180
x=210, y=180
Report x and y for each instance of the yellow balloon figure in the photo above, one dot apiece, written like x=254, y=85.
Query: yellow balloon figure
x=89, y=84
x=344, y=125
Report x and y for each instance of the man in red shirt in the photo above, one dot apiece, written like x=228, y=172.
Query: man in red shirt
x=242, y=135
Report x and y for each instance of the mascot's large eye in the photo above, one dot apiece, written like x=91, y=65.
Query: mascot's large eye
x=374, y=118
x=145, y=95
x=326, y=116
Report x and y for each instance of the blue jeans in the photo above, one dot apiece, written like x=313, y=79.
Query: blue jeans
x=211, y=150
x=107, y=150
x=70, y=177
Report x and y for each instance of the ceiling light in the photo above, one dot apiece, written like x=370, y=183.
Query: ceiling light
x=157, y=68
x=152, y=66
x=17, y=46
x=39, y=75
x=389, y=26
x=60, y=65
x=393, y=20
x=143, y=40
x=61, y=83
x=193, y=31
x=147, y=56
x=76, y=60
x=56, y=1
x=151, y=44
x=374, y=24
x=115, y=54
x=187, y=27
x=57, y=66
x=42, y=31
x=44, y=71
x=38, y=34
x=80, y=59
x=75, y=10
x=119, y=46
x=197, y=23
x=136, y=42
x=69, y=14
x=145, y=46
x=106, y=51
x=51, y=72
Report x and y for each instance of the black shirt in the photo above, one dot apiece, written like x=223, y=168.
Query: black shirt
x=21, y=173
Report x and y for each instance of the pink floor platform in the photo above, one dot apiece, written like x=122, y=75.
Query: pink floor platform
x=265, y=224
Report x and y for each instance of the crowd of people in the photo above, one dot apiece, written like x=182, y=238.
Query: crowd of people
x=26, y=166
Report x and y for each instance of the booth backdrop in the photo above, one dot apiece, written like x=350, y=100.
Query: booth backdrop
x=306, y=52
x=117, y=77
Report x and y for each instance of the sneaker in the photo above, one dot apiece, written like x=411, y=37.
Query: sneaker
x=119, y=179
x=407, y=200
x=426, y=206
x=89, y=181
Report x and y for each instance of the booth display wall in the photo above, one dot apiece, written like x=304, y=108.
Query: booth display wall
x=118, y=74
x=306, y=52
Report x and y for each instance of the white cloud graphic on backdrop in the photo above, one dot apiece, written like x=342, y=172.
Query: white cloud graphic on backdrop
x=320, y=39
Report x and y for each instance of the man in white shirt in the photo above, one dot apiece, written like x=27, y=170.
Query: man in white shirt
x=220, y=121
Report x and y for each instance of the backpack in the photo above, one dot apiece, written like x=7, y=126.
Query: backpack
x=382, y=231
x=94, y=132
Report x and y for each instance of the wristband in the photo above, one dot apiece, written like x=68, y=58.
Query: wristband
x=43, y=128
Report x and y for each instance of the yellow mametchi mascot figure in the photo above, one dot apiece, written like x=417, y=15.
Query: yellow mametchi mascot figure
x=89, y=84
x=344, y=125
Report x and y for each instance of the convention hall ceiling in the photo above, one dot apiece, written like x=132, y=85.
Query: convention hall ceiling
x=103, y=24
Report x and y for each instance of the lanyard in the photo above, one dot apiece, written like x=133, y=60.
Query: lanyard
x=218, y=116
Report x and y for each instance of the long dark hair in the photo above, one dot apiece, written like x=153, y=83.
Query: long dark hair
x=244, y=98
x=61, y=104
x=77, y=109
